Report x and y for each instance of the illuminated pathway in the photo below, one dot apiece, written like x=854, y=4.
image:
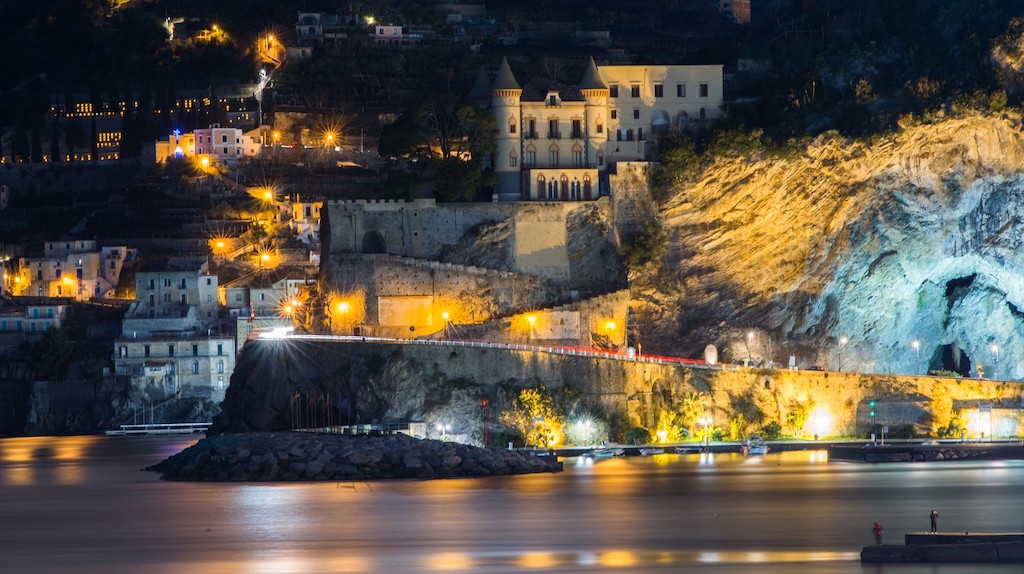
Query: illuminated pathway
x=284, y=334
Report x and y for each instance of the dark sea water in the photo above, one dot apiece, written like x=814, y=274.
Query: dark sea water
x=83, y=504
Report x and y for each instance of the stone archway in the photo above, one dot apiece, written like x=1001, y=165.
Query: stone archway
x=373, y=242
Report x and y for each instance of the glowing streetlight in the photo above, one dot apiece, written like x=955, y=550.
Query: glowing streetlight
x=277, y=138
x=531, y=319
x=995, y=352
x=445, y=316
x=750, y=339
x=706, y=421
x=917, y=362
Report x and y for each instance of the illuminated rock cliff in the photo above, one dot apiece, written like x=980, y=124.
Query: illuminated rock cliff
x=910, y=237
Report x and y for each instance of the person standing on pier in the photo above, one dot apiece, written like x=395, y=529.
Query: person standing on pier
x=879, y=531
x=935, y=521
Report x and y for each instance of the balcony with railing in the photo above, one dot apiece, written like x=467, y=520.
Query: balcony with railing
x=554, y=135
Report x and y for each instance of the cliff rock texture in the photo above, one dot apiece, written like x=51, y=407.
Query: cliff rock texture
x=911, y=237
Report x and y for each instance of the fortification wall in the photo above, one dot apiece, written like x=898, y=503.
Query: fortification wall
x=394, y=381
x=405, y=297
x=632, y=205
x=542, y=238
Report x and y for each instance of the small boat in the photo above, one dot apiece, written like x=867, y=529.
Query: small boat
x=754, y=446
x=651, y=451
x=605, y=453
x=688, y=449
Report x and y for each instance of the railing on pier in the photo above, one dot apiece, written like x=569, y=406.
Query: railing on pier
x=160, y=429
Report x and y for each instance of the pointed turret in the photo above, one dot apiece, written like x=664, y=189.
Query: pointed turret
x=592, y=78
x=505, y=79
x=481, y=89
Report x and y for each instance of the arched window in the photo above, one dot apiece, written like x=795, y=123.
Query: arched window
x=511, y=125
x=553, y=156
x=575, y=189
x=220, y=366
x=586, y=186
x=540, y=187
x=599, y=125
x=600, y=157
x=703, y=116
x=530, y=159
x=513, y=158
x=577, y=156
x=565, y=187
x=552, y=189
x=618, y=135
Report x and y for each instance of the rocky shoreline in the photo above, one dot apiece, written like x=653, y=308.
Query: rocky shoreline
x=294, y=456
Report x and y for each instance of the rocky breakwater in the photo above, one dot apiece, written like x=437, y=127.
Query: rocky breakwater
x=292, y=456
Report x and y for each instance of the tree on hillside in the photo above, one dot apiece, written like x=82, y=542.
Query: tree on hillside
x=52, y=354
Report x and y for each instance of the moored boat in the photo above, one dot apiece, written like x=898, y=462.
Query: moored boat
x=754, y=446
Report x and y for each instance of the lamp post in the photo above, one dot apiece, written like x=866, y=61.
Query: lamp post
x=445, y=328
x=995, y=352
x=531, y=319
x=343, y=311
x=917, y=361
x=750, y=339
x=706, y=421
x=842, y=342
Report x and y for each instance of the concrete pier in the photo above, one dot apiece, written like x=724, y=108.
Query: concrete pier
x=940, y=547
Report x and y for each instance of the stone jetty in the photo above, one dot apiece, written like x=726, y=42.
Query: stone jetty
x=295, y=456
x=946, y=547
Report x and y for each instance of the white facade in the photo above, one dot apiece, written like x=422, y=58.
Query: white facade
x=192, y=366
x=33, y=316
x=226, y=145
x=305, y=220
x=181, y=297
x=76, y=269
x=555, y=141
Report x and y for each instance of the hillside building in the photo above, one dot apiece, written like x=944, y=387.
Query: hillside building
x=556, y=142
x=77, y=269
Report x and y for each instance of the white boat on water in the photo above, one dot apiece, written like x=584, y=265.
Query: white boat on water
x=754, y=446
x=605, y=453
x=651, y=451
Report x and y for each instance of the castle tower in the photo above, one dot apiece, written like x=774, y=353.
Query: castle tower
x=505, y=105
x=595, y=92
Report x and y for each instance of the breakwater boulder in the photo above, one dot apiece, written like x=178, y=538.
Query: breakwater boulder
x=292, y=456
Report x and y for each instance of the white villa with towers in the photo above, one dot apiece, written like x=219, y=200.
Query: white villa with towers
x=556, y=142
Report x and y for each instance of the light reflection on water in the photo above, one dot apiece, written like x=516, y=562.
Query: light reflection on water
x=71, y=504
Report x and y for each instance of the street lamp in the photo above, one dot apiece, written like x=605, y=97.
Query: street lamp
x=445, y=316
x=842, y=342
x=995, y=351
x=706, y=421
x=343, y=311
x=531, y=319
x=750, y=339
x=917, y=362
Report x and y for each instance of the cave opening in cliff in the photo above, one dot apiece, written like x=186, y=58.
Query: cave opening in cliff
x=957, y=288
x=954, y=359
